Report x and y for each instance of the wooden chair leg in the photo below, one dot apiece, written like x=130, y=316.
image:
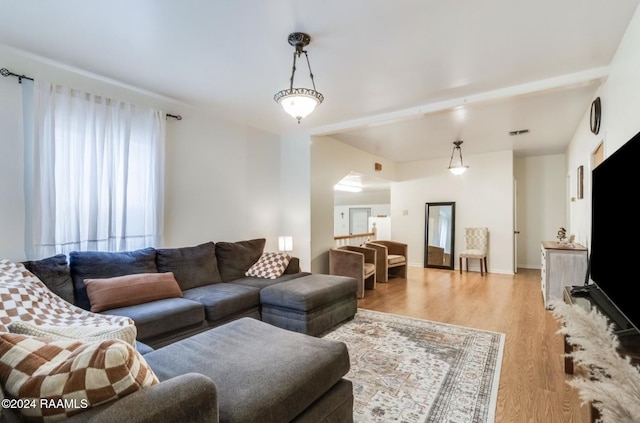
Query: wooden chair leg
x=467, y=263
x=485, y=265
x=461, y=265
x=481, y=271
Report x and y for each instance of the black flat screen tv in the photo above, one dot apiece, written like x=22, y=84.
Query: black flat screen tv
x=615, y=232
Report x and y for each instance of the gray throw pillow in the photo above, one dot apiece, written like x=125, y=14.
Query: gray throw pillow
x=99, y=265
x=235, y=258
x=54, y=273
x=191, y=266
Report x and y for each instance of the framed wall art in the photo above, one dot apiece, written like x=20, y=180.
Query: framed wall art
x=580, y=179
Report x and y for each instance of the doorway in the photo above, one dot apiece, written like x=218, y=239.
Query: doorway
x=359, y=220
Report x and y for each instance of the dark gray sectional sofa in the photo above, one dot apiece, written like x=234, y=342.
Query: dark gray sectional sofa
x=211, y=276
x=209, y=298
x=215, y=358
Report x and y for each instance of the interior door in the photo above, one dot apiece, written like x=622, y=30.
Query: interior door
x=359, y=220
x=516, y=232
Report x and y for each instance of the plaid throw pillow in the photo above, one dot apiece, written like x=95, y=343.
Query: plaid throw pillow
x=269, y=265
x=58, y=379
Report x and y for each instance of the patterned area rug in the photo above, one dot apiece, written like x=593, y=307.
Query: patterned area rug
x=412, y=370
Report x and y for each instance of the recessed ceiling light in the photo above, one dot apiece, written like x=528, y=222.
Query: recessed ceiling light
x=518, y=132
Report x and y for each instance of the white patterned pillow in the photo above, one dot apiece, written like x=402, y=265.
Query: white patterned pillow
x=77, y=332
x=269, y=265
x=57, y=379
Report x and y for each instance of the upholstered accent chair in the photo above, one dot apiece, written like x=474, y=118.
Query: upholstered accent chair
x=477, y=241
x=356, y=262
x=391, y=259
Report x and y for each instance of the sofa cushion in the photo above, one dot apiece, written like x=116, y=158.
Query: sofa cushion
x=235, y=258
x=269, y=265
x=224, y=299
x=263, y=283
x=143, y=348
x=90, y=373
x=192, y=266
x=309, y=292
x=98, y=264
x=293, y=266
x=123, y=291
x=76, y=332
x=54, y=273
x=162, y=316
x=269, y=374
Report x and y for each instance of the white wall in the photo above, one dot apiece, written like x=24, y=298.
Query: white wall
x=381, y=226
x=622, y=102
x=381, y=196
x=620, y=96
x=483, y=197
x=540, y=204
x=295, y=197
x=223, y=180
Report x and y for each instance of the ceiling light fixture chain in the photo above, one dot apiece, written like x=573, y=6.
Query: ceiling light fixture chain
x=296, y=54
x=299, y=102
x=313, y=82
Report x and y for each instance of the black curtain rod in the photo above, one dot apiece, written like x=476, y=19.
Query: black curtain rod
x=7, y=72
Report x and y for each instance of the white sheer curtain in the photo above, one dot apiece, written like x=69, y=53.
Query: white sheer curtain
x=94, y=173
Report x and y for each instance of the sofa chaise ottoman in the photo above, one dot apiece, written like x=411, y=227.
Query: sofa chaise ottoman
x=263, y=373
x=310, y=304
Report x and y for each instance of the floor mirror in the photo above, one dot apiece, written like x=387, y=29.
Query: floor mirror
x=439, y=235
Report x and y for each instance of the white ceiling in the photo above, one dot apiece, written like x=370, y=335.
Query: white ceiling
x=391, y=71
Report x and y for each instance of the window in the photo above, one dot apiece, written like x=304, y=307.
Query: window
x=93, y=173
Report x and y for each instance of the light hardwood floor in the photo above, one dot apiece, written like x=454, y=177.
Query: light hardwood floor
x=532, y=381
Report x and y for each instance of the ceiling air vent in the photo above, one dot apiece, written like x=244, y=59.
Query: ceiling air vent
x=519, y=132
